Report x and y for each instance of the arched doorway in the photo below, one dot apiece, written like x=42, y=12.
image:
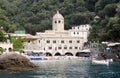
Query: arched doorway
x=57, y=54
x=68, y=54
x=83, y=54
x=48, y=54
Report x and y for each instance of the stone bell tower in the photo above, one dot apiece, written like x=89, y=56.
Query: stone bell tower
x=58, y=22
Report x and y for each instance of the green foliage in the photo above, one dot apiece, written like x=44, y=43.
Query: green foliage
x=36, y=15
x=7, y=12
x=118, y=10
x=1, y=49
x=2, y=37
x=108, y=27
x=93, y=35
x=110, y=10
x=102, y=3
x=17, y=43
x=114, y=24
x=90, y=4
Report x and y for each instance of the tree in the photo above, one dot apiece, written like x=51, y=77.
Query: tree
x=118, y=10
x=1, y=49
x=90, y=4
x=17, y=43
x=93, y=35
x=2, y=37
x=113, y=28
x=110, y=10
x=102, y=3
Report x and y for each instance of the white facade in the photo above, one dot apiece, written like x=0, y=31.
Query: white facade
x=6, y=46
x=81, y=31
x=59, y=40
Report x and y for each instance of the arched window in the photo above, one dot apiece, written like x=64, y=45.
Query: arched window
x=55, y=21
x=59, y=21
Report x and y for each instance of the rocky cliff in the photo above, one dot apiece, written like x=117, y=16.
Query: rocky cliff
x=13, y=61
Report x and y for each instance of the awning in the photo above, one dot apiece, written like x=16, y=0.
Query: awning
x=86, y=50
x=113, y=44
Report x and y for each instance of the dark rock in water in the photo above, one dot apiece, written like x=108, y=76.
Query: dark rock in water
x=13, y=61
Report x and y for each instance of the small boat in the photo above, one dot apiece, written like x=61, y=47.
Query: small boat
x=36, y=56
x=101, y=62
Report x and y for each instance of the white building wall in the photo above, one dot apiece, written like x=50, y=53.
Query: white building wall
x=51, y=40
x=81, y=31
x=53, y=45
x=6, y=46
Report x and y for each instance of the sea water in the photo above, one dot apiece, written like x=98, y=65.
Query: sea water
x=67, y=69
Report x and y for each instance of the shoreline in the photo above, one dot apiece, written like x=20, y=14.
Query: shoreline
x=16, y=62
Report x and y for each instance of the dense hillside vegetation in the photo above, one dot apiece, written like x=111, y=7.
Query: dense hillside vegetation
x=36, y=15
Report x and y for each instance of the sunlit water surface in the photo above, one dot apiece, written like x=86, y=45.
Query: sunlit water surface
x=67, y=69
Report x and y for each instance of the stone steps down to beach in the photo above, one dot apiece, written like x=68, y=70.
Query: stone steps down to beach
x=13, y=61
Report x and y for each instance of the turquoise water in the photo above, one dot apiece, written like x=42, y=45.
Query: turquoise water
x=67, y=69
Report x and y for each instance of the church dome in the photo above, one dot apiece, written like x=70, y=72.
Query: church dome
x=58, y=16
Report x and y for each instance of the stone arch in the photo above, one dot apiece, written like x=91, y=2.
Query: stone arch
x=69, y=54
x=57, y=54
x=48, y=54
x=78, y=54
x=82, y=54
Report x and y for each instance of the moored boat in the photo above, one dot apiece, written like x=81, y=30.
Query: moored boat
x=36, y=56
x=101, y=62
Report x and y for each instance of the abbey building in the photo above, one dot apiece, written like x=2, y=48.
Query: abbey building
x=59, y=41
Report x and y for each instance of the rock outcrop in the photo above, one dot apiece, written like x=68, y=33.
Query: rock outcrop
x=13, y=61
x=104, y=54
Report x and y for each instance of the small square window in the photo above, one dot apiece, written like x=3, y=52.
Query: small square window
x=70, y=47
x=78, y=41
x=70, y=41
x=62, y=41
x=48, y=41
x=50, y=47
x=54, y=41
x=65, y=47
x=74, y=33
x=59, y=47
x=79, y=48
x=76, y=47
